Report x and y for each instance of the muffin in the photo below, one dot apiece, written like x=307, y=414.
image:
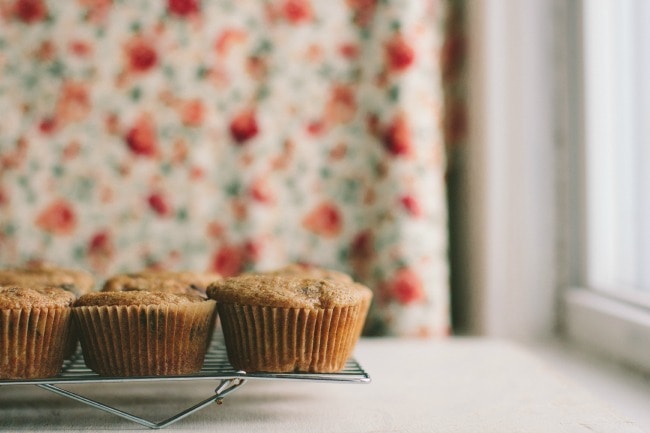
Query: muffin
x=189, y=283
x=76, y=281
x=281, y=324
x=34, y=331
x=311, y=271
x=141, y=333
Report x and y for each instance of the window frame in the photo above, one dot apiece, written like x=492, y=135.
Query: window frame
x=522, y=260
x=617, y=327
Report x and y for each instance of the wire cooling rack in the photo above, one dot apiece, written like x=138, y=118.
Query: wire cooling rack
x=216, y=367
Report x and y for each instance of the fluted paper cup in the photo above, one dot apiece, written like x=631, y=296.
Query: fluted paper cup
x=33, y=342
x=275, y=339
x=145, y=340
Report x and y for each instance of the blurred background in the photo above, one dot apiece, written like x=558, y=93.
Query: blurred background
x=479, y=164
x=233, y=136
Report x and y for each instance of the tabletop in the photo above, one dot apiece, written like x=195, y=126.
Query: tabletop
x=452, y=385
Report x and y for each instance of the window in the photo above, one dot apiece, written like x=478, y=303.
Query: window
x=612, y=170
x=617, y=109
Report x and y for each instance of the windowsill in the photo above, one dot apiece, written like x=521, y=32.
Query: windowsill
x=618, y=330
x=623, y=389
x=449, y=385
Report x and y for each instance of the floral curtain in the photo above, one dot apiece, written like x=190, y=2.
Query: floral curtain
x=233, y=136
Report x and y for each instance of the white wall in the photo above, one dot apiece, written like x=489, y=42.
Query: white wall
x=508, y=189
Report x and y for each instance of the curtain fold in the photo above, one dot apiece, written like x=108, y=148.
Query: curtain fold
x=233, y=136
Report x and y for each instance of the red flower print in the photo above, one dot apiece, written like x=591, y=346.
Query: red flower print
x=314, y=53
x=253, y=249
x=196, y=173
x=341, y=106
x=48, y=125
x=406, y=287
x=57, y=218
x=317, y=127
x=159, y=204
x=373, y=125
x=96, y=10
x=256, y=67
x=100, y=249
x=175, y=255
x=180, y=151
x=73, y=104
x=283, y=159
x=71, y=150
x=397, y=139
x=30, y=11
x=363, y=11
x=261, y=191
x=141, y=55
x=14, y=159
x=112, y=123
x=183, y=8
x=239, y=209
x=227, y=39
x=80, y=48
x=151, y=262
x=192, y=112
x=399, y=54
x=215, y=230
x=4, y=198
x=362, y=246
x=325, y=220
x=339, y=151
x=369, y=196
x=218, y=76
x=349, y=51
x=412, y=205
x=106, y=194
x=141, y=137
x=297, y=11
x=362, y=249
x=228, y=260
x=46, y=51
x=243, y=126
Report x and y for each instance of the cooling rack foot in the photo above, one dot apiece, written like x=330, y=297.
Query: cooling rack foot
x=225, y=387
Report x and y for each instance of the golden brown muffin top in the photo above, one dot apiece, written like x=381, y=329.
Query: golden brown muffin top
x=309, y=271
x=130, y=283
x=198, y=280
x=190, y=283
x=137, y=298
x=287, y=292
x=76, y=281
x=13, y=297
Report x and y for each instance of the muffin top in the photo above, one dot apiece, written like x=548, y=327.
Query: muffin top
x=190, y=283
x=76, y=281
x=198, y=280
x=137, y=298
x=14, y=297
x=309, y=271
x=287, y=292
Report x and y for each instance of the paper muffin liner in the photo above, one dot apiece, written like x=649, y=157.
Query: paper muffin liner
x=288, y=339
x=73, y=341
x=361, y=321
x=33, y=342
x=153, y=340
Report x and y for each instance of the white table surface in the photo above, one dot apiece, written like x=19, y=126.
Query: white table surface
x=455, y=385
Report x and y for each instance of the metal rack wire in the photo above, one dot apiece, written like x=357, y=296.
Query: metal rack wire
x=216, y=367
